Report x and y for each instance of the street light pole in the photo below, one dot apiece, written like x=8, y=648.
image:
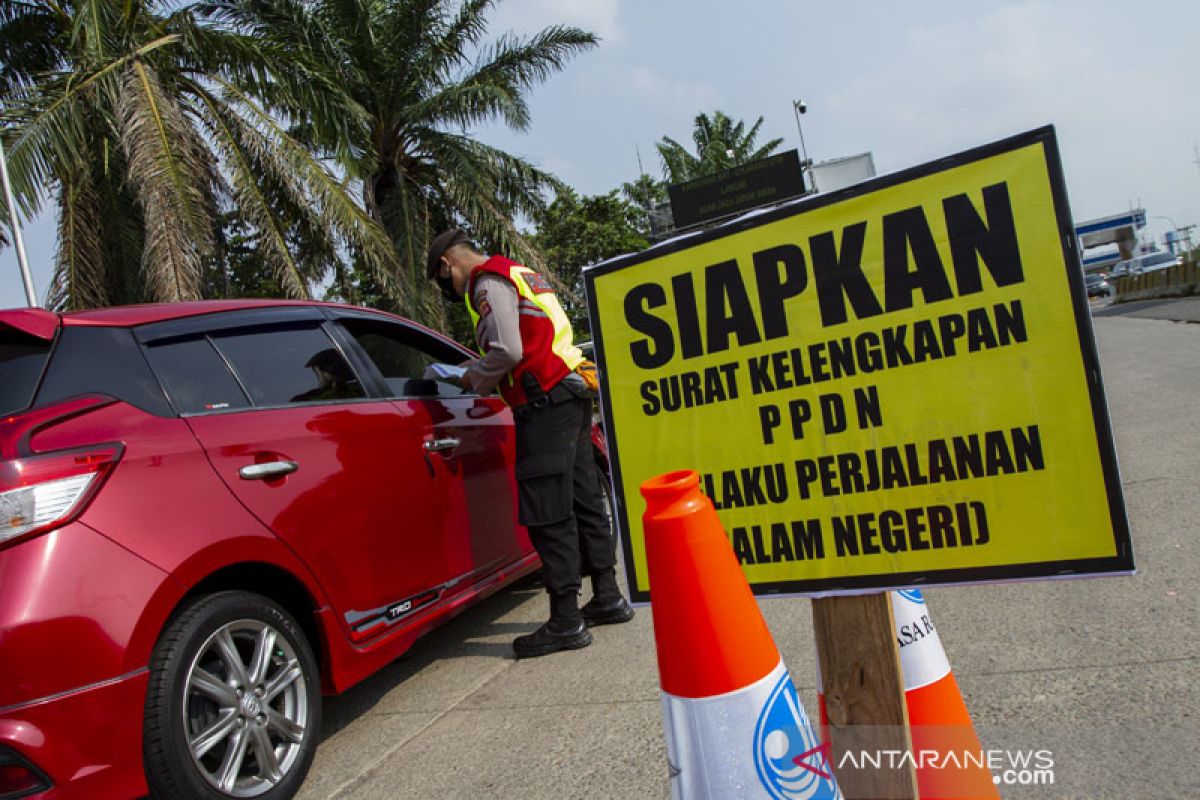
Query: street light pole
x=1174, y=227
x=800, y=107
x=18, y=242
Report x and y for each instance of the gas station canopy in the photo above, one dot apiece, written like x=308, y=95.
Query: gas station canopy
x=1117, y=229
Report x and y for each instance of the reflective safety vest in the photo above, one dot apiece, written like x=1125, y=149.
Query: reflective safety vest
x=548, y=351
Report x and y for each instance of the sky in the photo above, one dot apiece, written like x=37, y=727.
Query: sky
x=909, y=82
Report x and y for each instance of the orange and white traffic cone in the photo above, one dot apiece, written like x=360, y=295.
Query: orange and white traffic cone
x=734, y=725
x=949, y=760
x=937, y=715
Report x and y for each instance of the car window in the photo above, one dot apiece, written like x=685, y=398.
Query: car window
x=405, y=357
x=197, y=380
x=289, y=365
x=103, y=360
x=21, y=360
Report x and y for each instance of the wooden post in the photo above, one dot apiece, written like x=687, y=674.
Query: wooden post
x=864, y=696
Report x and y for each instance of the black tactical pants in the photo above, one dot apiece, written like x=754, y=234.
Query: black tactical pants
x=559, y=494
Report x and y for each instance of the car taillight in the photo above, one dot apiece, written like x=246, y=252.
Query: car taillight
x=43, y=491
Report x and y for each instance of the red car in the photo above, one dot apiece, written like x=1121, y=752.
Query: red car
x=212, y=513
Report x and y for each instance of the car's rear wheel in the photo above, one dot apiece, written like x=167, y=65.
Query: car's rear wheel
x=610, y=507
x=233, y=707
x=606, y=492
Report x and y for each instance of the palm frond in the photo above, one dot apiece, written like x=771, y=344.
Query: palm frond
x=678, y=164
x=519, y=65
x=721, y=143
x=766, y=150
x=466, y=29
x=50, y=116
x=486, y=185
x=241, y=147
x=435, y=44
x=15, y=9
x=123, y=235
x=289, y=161
x=79, y=263
x=411, y=219
x=171, y=178
x=465, y=104
x=28, y=32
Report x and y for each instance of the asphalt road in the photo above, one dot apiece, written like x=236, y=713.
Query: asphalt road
x=1104, y=673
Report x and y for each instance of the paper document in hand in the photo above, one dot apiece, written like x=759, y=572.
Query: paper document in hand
x=440, y=371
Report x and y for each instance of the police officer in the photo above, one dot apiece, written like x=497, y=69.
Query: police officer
x=528, y=353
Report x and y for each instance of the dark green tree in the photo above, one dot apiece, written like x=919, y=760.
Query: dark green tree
x=645, y=194
x=720, y=143
x=397, y=86
x=575, y=231
x=146, y=120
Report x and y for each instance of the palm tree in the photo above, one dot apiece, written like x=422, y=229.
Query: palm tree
x=394, y=87
x=144, y=122
x=720, y=144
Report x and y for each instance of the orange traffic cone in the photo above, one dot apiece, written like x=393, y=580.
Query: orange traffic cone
x=949, y=760
x=734, y=725
x=937, y=715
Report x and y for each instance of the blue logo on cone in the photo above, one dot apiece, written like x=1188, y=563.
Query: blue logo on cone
x=791, y=761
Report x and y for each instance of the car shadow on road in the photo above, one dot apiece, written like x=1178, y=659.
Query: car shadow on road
x=463, y=637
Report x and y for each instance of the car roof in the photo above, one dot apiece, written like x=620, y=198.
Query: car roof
x=127, y=316
x=43, y=324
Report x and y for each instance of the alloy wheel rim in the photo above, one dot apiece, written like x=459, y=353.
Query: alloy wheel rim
x=245, y=708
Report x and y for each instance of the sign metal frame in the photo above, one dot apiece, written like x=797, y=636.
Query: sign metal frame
x=1120, y=563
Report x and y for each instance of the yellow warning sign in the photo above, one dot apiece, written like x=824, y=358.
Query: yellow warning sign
x=892, y=385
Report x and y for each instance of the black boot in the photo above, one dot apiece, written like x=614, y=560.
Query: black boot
x=607, y=612
x=546, y=640
x=564, y=631
x=607, y=606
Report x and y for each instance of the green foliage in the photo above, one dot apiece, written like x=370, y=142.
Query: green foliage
x=458, y=324
x=145, y=121
x=720, y=144
x=389, y=90
x=576, y=231
x=239, y=268
x=645, y=194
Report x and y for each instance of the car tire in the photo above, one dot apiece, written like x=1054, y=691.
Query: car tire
x=232, y=678
x=606, y=493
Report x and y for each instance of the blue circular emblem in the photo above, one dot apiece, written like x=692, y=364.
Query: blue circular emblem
x=912, y=595
x=791, y=761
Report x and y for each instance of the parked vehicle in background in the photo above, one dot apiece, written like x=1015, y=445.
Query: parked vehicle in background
x=211, y=513
x=1146, y=263
x=1097, y=285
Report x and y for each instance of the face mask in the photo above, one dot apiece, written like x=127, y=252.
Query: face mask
x=447, y=287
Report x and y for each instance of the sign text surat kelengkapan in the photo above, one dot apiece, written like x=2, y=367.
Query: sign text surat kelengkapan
x=911, y=264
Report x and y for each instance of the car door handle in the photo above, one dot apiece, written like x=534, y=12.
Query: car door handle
x=271, y=469
x=440, y=445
